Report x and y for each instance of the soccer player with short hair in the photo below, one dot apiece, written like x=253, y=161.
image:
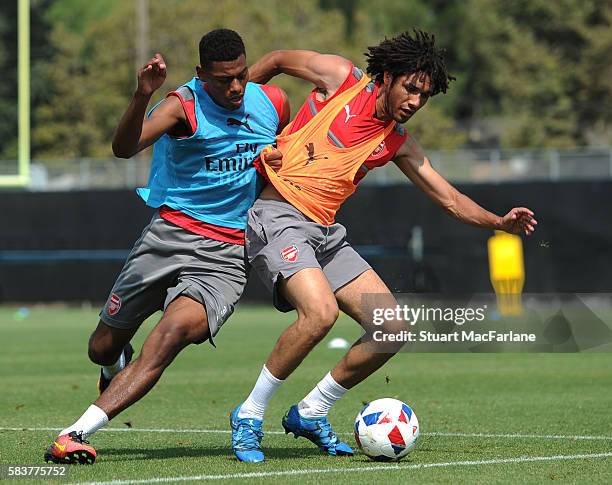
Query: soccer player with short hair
x=190, y=259
x=348, y=125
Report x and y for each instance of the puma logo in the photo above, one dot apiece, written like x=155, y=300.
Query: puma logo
x=310, y=149
x=245, y=123
x=348, y=113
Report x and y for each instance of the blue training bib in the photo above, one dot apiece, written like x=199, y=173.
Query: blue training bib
x=210, y=175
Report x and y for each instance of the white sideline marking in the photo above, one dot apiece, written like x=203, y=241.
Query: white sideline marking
x=374, y=468
x=519, y=435
x=433, y=433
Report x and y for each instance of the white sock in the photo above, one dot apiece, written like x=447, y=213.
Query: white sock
x=111, y=371
x=320, y=400
x=93, y=419
x=257, y=402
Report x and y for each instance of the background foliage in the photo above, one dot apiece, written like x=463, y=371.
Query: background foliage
x=530, y=73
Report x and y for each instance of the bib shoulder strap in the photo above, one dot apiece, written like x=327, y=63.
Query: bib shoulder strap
x=337, y=103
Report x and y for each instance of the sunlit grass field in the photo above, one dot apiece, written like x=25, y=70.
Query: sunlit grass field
x=484, y=417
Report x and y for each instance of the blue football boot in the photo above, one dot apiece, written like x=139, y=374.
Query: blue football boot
x=317, y=430
x=246, y=437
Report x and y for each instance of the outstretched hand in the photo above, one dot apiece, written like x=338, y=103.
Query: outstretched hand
x=152, y=75
x=519, y=220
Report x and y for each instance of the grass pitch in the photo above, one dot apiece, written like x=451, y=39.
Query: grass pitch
x=484, y=418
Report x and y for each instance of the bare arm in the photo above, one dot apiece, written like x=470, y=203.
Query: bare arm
x=326, y=71
x=134, y=132
x=413, y=162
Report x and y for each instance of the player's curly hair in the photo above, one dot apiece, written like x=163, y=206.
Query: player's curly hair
x=220, y=45
x=407, y=54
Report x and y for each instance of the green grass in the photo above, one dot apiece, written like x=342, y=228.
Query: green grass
x=47, y=381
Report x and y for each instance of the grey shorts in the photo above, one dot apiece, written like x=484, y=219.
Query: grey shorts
x=281, y=241
x=168, y=261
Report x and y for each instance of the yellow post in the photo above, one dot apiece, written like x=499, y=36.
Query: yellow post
x=507, y=271
x=24, y=89
x=22, y=178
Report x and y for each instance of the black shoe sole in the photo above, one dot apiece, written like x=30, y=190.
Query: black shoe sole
x=287, y=430
x=81, y=457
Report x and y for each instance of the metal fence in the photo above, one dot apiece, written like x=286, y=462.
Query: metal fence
x=460, y=166
x=518, y=165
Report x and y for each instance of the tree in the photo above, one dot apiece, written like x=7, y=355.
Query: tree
x=434, y=125
x=531, y=72
x=526, y=62
x=76, y=15
x=94, y=75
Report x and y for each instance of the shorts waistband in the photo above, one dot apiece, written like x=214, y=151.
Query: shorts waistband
x=277, y=203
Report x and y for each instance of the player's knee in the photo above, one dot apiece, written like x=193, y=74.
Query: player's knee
x=95, y=355
x=160, y=349
x=191, y=331
x=390, y=347
x=100, y=354
x=173, y=336
x=106, y=344
x=393, y=327
x=319, y=320
x=324, y=313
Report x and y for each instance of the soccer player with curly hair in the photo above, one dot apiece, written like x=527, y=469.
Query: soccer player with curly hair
x=349, y=125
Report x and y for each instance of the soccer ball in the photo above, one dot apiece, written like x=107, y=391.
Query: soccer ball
x=386, y=429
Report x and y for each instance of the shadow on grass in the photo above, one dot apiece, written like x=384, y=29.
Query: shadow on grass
x=134, y=454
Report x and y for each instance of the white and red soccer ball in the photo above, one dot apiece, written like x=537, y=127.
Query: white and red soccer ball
x=386, y=429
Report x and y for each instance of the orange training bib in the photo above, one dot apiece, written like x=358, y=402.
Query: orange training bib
x=316, y=177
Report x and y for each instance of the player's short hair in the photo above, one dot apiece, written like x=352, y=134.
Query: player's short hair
x=220, y=45
x=408, y=54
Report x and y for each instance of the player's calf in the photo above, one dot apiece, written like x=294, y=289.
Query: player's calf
x=108, y=372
